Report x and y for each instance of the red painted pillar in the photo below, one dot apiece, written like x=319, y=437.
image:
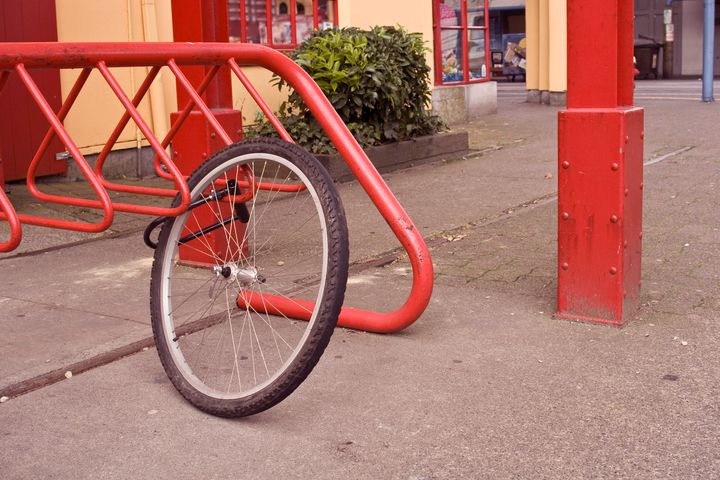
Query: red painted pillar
x=600, y=168
x=204, y=21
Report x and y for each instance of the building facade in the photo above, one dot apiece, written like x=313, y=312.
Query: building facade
x=455, y=31
x=685, y=36
x=668, y=43
x=546, y=28
x=507, y=38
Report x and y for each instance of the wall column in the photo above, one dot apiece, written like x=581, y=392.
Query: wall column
x=544, y=49
x=546, y=33
x=600, y=171
x=557, y=83
x=532, y=33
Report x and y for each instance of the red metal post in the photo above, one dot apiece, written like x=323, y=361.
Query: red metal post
x=465, y=58
x=197, y=139
x=3, y=80
x=203, y=21
x=600, y=168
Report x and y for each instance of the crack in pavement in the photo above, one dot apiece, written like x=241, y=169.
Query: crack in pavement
x=71, y=309
x=434, y=240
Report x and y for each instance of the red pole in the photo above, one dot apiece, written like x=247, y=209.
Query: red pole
x=600, y=168
x=203, y=21
x=196, y=140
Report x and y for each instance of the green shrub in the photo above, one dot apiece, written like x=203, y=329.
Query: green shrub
x=376, y=79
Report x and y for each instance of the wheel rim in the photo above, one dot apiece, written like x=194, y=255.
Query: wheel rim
x=225, y=352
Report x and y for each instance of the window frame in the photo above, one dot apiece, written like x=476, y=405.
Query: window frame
x=270, y=14
x=464, y=30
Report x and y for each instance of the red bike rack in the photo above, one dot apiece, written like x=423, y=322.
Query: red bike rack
x=21, y=57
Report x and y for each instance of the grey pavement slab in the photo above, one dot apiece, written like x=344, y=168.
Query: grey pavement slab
x=480, y=388
x=485, y=385
x=52, y=337
x=105, y=282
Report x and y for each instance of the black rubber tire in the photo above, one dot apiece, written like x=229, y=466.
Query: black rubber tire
x=333, y=293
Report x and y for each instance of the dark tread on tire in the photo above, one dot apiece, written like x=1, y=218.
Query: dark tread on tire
x=334, y=291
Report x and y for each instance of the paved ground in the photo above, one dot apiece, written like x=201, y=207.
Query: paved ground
x=686, y=89
x=485, y=385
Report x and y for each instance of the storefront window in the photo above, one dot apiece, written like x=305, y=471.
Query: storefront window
x=289, y=22
x=461, y=44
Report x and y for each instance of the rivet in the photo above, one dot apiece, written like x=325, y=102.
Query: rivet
x=624, y=293
x=613, y=270
x=641, y=185
x=640, y=235
x=565, y=215
x=239, y=132
x=566, y=164
x=642, y=134
x=614, y=166
x=564, y=266
x=627, y=192
x=625, y=244
x=614, y=219
x=204, y=155
x=627, y=139
x=176, y=153
x=213, y=134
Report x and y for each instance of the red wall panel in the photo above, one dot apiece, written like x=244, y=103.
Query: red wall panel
x=22, y=126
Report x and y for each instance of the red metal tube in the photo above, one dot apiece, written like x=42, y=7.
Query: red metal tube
x=199, y=103
x=74, y=55
x=180, y=183
x=293, y=22
x=259, y=101
x=184, y=114
x=267, y=111
x=50, y=135
x=8, y=213
x=102, y=157
x=104, y=200
x=110, y=143
x=79, y=202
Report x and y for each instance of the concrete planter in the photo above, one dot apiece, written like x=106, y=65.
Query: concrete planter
x=457, y=104
x=397, y=155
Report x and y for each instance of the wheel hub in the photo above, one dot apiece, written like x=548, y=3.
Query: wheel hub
x=234, y=273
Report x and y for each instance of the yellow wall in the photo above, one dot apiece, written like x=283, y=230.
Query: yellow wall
x=260, y=78
x=97, y=110
x=532, y=32
x=546, y=31
x=414, y=15
x=557, y=45
x=543, y=45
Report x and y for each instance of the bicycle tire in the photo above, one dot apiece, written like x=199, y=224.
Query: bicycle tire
x=179, y=344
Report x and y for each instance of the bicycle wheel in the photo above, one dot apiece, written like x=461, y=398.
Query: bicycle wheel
x=226, y=359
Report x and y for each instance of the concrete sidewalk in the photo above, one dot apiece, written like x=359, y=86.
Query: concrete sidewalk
x=485, y=385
